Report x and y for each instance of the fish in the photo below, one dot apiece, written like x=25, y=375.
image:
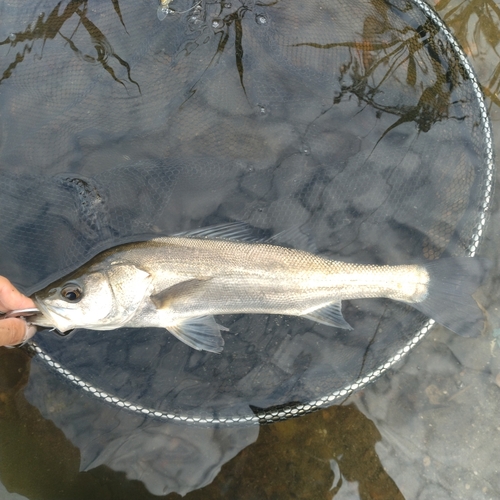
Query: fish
x=181, y=282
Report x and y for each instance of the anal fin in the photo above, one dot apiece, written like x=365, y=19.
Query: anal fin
x=330, y=315
x=201, y=333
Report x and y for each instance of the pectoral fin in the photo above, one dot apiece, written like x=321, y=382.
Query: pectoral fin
x=202, y=333
x=183, y=290
x=330, y=315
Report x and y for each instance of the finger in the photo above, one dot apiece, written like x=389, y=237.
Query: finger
x=11, y=331
x=11, y=298
x=14, y=331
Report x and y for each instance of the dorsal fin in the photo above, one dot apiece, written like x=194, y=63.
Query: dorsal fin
x=294, y=237
x=238, y=231
x=297, y=237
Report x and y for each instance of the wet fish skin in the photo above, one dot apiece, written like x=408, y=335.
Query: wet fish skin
x=181, y=282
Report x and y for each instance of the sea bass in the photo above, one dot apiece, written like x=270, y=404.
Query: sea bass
x=180, y=282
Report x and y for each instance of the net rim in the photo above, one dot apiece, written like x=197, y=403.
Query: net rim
x=284, y=412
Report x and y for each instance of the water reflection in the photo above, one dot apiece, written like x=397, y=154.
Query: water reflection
x=49, y=25
x=476, y=24
x=408, y=53
x=339, y=449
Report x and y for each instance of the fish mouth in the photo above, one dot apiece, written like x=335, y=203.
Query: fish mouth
x=44, y=316
x=39, y=319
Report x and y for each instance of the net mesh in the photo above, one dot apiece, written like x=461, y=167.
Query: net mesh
x=361, y=119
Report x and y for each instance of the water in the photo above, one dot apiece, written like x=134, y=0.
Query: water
x=428, y=428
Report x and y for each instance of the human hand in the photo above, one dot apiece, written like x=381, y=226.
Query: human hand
x=14, y=330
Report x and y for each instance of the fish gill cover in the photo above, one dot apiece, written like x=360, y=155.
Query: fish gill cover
x=120, y=124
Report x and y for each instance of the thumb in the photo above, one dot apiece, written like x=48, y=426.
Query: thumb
x=15, y=331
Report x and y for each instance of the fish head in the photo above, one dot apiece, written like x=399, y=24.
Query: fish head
x=101, y=298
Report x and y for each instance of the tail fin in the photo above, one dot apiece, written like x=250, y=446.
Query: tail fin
x=449, y=300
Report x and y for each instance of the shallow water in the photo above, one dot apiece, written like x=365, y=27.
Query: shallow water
x=428, y=428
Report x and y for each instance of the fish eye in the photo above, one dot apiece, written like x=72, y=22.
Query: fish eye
x=71, y=292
